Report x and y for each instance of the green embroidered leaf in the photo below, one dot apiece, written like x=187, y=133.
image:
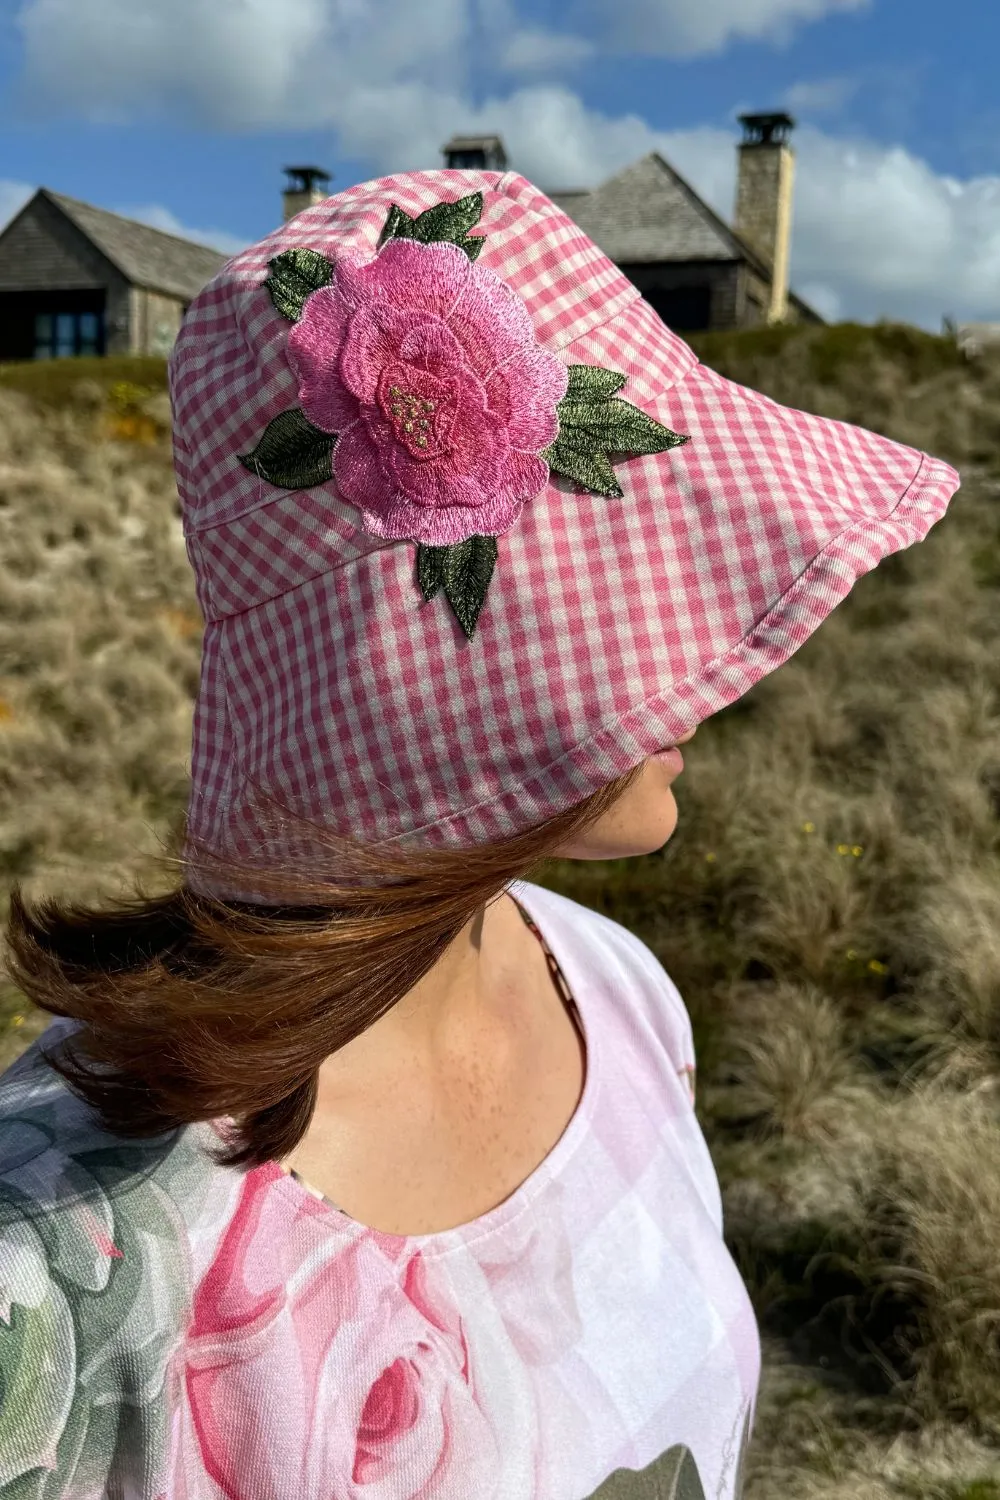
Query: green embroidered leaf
x=292, y=454
x=430, y=569
x=618, y=425
x=594, y=423
x=450, y=221
x=465, y=570
x=592, y=380
x=397, y=226
x=591, y=469
x=442, y=223
x=295, y=275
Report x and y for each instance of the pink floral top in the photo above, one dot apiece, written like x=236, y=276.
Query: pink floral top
x=173, y=1330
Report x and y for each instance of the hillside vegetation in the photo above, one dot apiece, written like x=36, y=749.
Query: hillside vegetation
x=829, y=905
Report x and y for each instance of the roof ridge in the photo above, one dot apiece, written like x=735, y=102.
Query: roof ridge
x=94, y=208
x=749, y=252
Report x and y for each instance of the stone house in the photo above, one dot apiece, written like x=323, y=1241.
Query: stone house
x=75, y=279
x=695, y=270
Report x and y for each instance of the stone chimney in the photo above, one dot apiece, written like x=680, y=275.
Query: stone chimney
x=305, y=187
x=764, y=199
x=485, y=152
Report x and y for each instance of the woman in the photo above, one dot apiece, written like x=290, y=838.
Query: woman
x=476, y=538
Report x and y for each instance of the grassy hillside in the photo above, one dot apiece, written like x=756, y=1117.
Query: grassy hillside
x=829, y=905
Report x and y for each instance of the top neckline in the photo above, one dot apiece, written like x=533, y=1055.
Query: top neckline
x=447, y=1241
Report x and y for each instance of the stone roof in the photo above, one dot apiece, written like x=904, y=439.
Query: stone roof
x=146, y=257
x=648, y=213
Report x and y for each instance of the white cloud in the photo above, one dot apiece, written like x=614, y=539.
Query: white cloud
x=550, y=134
x=159, y=217
x=13, y=197
x=894, y=237
x=820, y=95
x=693, y=28
x=244, y=64
x=876, y=231
x=534, y=51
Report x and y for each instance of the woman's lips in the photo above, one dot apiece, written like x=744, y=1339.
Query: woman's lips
x=671, y=758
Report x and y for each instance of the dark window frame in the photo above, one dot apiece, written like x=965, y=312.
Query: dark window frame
x=74, y=334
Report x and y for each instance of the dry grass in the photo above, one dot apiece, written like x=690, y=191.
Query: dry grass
x=829, y=905
x=99, y=646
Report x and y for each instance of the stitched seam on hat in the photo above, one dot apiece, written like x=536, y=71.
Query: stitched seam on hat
x=202, y=573
x=226, y=796
x=304, y=582
x=695, y=677
x=617, y=305
x=503, y=187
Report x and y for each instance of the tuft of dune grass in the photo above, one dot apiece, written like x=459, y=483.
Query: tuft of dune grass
x=829, y=905
x=99, y=647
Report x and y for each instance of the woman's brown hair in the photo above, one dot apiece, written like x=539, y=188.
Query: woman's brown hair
x=197, y=1009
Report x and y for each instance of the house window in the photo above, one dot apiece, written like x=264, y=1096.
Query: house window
x=63, y=335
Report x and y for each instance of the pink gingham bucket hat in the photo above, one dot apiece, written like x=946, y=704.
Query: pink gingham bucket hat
x=473, y=531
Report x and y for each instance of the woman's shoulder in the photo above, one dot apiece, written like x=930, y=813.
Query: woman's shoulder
x=615, y=958
x=576, y=923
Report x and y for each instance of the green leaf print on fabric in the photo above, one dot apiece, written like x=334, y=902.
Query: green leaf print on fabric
x=672, y=1476
x=295, y=275
x=292, y=454
x=97, y=1305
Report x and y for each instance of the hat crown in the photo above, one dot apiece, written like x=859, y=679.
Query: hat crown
x=229, y=369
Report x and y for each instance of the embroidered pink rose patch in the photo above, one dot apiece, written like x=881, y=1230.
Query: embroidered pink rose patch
x=428, y=400
x=428, y=368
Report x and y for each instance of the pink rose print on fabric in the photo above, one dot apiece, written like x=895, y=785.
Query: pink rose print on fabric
x=428, y=369
x=319, y=1364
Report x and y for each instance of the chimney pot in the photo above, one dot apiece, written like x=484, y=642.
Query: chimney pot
x=761, y=130
x=305, y=187
x=485, y=153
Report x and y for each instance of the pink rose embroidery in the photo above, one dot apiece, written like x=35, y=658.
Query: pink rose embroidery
x=426, y=396
x=428, y=369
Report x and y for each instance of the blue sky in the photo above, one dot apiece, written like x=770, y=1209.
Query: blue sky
x=183, y=113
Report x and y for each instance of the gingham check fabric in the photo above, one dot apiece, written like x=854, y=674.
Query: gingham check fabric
x=611, y=626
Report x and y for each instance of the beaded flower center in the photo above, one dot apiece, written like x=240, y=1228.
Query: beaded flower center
x=420, y=408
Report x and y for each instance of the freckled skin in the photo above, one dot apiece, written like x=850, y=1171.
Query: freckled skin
x=442, y=1108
